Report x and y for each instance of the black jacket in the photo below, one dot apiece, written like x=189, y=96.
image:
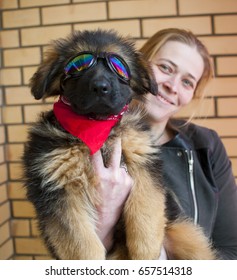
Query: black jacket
x=197, y=169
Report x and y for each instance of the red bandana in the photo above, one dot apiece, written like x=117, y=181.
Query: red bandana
x=92, y=132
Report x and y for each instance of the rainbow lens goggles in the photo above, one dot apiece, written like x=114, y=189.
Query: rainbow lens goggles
x=86, y=60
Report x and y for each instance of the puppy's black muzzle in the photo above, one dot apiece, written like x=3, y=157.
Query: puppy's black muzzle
x=100, y=87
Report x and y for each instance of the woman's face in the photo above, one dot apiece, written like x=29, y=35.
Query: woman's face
x=177, y=68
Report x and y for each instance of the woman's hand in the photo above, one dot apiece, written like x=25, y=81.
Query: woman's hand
x=114, y=188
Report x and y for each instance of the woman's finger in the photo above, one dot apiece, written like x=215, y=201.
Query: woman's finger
x=97, y=161
x=116, y=154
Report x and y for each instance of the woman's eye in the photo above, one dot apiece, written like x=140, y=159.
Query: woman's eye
x=188, y=83
x=165, y=68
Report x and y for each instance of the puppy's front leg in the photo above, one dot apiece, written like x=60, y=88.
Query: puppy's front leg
x=72, y=235
x=144, y=218
x=70, y=229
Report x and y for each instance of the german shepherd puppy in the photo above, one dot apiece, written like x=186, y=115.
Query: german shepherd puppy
x=96, y=74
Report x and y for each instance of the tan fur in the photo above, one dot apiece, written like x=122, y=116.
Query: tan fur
x=185, y=242
x=145, y=231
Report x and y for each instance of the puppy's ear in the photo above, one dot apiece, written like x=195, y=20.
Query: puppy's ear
x=150, y=84
x=46, y=81
x=144, y=79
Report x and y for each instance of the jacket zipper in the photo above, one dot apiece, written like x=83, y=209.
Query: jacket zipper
x=191, y=176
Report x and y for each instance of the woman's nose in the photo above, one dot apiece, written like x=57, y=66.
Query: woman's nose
x=172, y=84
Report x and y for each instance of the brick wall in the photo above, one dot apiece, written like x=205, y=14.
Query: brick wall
x=28, y=26
x=6, y=243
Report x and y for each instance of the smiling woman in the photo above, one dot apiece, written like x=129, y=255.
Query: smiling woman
x=196, y=168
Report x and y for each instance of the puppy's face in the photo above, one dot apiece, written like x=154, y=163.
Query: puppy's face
x=97, y=83
x=105, y=84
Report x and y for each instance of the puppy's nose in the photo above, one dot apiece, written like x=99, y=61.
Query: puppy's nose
x=101, y=87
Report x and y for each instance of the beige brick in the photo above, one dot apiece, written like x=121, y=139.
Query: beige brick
x=234, y=166
x=35, y=3
x=15, y=171
x=46, y=257
x=16, y=190
x=28, y=72
x=2, y=154
x=224, y=127
x=207, y=6
x=220, y=44
x=29, y=246
x=22, y=56
x=225, y=24
x=4, y=212
x=222, y=87
x=4, y=233
x=1, y=109
x=23, y=257
x=198, y=108
x=9, y=39
x=23, y=209
x=20, y=227
x=123, y=27
x=17, y=133
x=19, y=95
x=74, y=13
x=14, y=152
x=79, y=1
x=230, y=145
x=6, y=250
x=227, y=66
x=1, y=97
x=3, y=193
x=22, y=18
x=32, y=113
x=2, y=135
x=8, y=4
x=35, y=228
x=227, y=107
x=10, y=77
x=3, y=173
x=43, y=35
x=137, y=8
x=198, y=25
x=12, y=114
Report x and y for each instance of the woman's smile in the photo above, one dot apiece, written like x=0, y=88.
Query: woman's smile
x=164, y=99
